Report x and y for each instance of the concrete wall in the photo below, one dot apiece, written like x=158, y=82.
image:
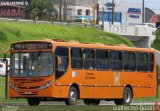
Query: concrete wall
x=158, y=57
x=142, y=36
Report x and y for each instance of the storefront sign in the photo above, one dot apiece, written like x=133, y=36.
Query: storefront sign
x=134, y=16
x=134, y=12
x=13, y=9
x=110, y=5
x=14, y=3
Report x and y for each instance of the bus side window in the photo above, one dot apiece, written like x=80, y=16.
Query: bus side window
x=102, y=60
x=116, y=60
x=129, y=61
x=76, y=58
x=89, y=59
x=151, y=62
x=61, y=61
x=142, y=62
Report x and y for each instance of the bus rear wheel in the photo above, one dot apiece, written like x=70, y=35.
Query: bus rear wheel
x=127, y=97
x=91, y=101
x=33, y=101
x=72, y=96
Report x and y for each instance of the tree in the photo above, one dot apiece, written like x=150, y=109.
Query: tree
x=40, y=8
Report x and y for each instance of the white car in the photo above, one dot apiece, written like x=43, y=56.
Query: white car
x=147, y=25
x=3, y=67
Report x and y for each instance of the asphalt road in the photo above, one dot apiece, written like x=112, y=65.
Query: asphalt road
x=50, y=103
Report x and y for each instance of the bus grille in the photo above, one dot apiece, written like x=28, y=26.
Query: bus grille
x=28, y=80
x=35, y=87
x=28, y=93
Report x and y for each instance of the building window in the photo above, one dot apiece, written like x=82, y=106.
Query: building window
x=79, y=12
x=69, y=11
x=88, y=12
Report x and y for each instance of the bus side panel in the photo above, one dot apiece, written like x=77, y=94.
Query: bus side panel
x=85, y=80
x=105, y=85
x=108, y=92
x=86, y=92
x=61, y=91
x=142, y=84
x=143, y=92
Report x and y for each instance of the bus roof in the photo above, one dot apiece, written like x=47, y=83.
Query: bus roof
x=61, y=42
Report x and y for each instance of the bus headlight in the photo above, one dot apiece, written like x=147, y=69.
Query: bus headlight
x=12, y=86
x=46, y=85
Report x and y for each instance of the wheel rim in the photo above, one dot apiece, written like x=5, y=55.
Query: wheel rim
x=73, y=97
x=127, y=97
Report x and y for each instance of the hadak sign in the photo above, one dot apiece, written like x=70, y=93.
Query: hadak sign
x=13, y=9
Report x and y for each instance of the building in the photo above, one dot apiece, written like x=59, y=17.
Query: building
x=124, y=13
x=71, y=9
x=155, y=18
x=13, y=8
x=148, y=15
x=68, y=10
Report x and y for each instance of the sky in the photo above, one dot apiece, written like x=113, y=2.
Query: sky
x=152, y=4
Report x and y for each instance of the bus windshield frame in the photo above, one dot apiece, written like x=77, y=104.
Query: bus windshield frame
x=32, y=64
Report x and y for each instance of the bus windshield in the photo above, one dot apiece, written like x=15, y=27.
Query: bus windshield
x=31, y=64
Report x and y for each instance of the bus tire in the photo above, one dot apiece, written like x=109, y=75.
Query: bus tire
x=72, y=96
x=91, y=101
x=127, y=97
x=33, y=101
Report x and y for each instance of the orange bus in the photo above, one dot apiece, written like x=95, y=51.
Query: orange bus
x=60, y=70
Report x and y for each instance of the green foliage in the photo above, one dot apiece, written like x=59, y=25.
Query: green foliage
x=3, y=36
x=13, y=32
x=38, y=8
x=156, y=43
x=2, y=93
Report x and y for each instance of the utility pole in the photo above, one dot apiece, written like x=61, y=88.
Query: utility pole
x=60, y=10
x=143, y=15
x=65, y=11
x=93, y=10
x=102, y=18
x=113, y=12
x=97, y=19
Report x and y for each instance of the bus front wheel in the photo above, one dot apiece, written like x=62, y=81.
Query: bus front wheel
x=33, y=101
x=72, y=96
x=127, y=97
